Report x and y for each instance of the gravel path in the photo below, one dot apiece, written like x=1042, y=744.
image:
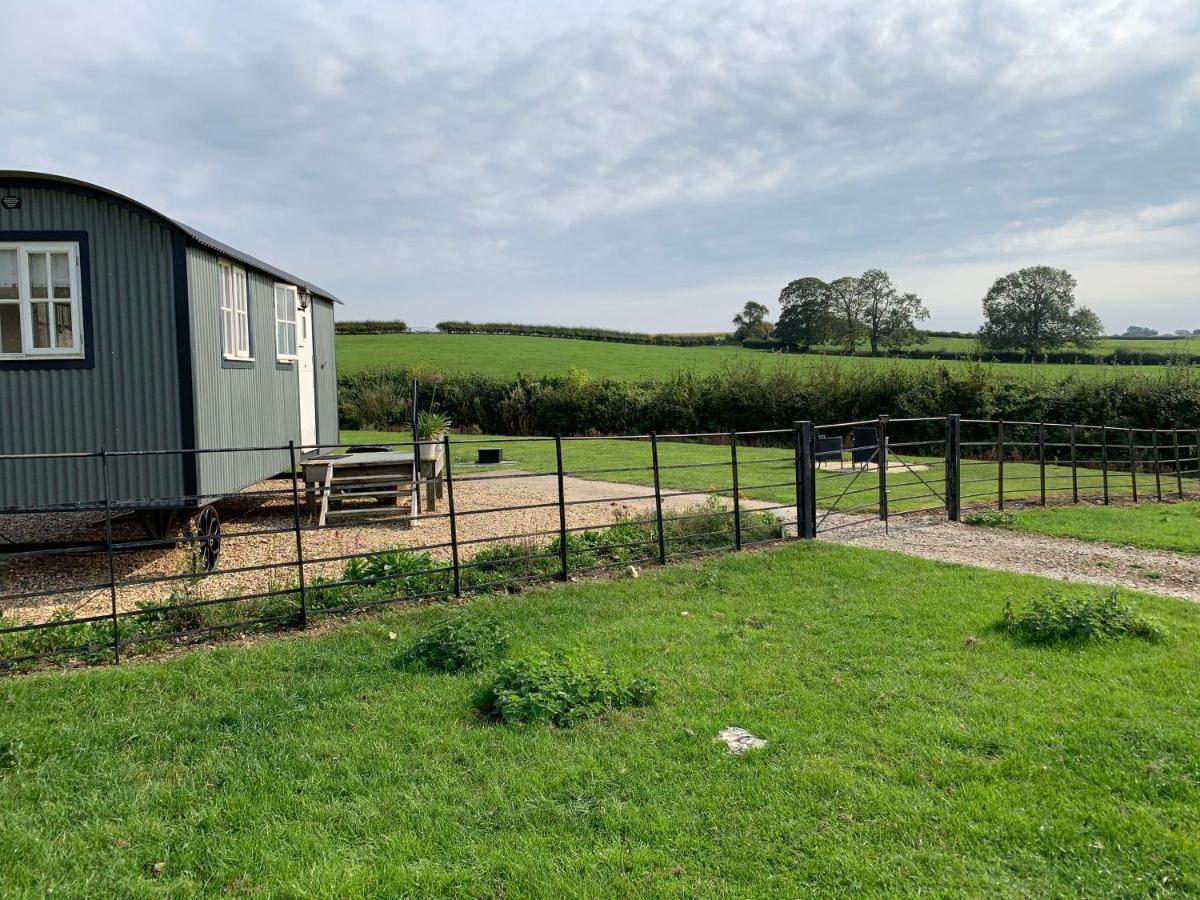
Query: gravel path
x=930, y=537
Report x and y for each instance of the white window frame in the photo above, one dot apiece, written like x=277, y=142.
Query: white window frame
x=233, y=298
x=291, y=300
x=25, y=301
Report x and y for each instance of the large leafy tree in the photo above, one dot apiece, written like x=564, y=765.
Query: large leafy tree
x=889, y=317
x=804, y=313
x=847, y=324
x=752, y=322
x=1034, y=310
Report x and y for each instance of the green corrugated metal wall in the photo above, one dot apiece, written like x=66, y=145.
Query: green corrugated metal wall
x=250, y=406
x=130, y=399
x=326, y=366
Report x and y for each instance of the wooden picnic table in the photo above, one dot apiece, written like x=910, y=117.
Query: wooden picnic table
x=386, y=475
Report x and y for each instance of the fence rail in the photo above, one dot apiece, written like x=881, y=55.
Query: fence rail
x=79, y=582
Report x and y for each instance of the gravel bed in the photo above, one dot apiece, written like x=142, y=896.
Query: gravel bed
x=80, y=583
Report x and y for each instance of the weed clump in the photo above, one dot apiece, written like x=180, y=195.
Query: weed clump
x=991, y=519
x=1059, y=618
x=459, y=644
x=559, y=689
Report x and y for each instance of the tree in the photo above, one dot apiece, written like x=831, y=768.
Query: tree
x=900, y=324
x=1083, y=328
x=846, y=305
x=890, y=317
x=752, y=322
x=804, y=313
x=1140, y=331
x=1183, y=332
x=1034, y=310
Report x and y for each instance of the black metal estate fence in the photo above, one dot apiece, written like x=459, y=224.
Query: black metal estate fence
x=106, y=567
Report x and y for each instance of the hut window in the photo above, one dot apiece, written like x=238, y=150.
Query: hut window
x=285, y=322
x=235, y=313
x=39, y=300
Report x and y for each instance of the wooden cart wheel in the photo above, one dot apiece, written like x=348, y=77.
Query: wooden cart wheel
x=207, y=526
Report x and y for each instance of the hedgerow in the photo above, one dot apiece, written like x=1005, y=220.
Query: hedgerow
x=584, y=334
x=751, y=396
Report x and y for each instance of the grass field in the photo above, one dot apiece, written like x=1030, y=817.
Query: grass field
x=507, y=355
x=908, y=489
x=903, y=757
x=1167, y=526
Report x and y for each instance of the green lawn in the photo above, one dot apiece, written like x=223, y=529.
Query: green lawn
x=903, y=758
x=506, y=355
x=1160, y=526
x=908, y=490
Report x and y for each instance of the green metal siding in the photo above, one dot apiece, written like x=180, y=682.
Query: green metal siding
x=129, y=399
x=325, y=362
x=241, y=407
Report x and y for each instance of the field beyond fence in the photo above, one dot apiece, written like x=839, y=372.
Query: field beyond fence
x=123, y=571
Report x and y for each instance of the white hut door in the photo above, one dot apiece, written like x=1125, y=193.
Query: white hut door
x=307, y=374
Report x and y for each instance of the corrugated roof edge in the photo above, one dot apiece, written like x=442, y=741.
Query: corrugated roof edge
x=198, y=237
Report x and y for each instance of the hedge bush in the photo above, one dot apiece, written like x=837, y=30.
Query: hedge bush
x=749, y=395
x=585, y=334
x=370, y=326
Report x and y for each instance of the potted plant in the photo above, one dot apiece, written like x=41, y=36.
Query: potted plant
x=431, y=428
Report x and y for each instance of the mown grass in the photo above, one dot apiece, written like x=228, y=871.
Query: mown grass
x=904, y=756
x=1156, y=526
x=508, y=355
x=909, y=488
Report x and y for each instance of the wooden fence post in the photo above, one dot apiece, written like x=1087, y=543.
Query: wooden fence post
x=806, y=480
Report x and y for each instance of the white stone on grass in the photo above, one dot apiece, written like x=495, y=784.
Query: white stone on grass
x=739, y=740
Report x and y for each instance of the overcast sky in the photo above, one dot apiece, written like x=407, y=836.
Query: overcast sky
x=639, y=165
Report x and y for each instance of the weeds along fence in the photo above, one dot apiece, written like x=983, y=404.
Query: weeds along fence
x=106, y=567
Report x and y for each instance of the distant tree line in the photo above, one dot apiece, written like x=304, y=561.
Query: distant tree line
x=1029, y=312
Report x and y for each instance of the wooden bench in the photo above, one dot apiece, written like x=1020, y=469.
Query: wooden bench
x=385, y=475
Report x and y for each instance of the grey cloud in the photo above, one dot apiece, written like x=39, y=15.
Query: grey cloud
x=553, y=161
